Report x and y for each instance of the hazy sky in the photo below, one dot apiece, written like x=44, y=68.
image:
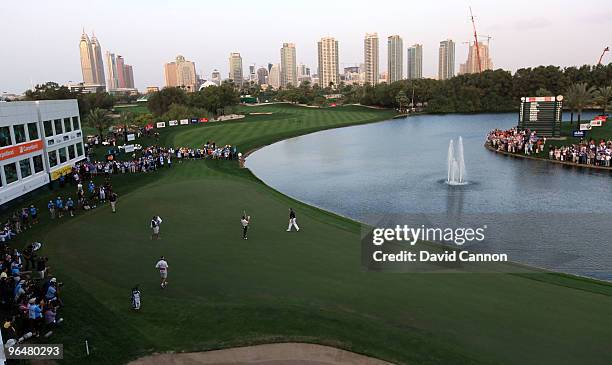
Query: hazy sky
x=40, y=38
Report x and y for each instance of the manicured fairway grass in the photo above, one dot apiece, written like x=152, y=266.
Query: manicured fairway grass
x=278, y=286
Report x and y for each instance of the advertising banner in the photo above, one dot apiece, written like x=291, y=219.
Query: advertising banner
x=184, y=121
x=161, y=124
x=203, y=120
x=131, y=137
x=194, y=120
x=55, y=174
x=578, y=134
x=128, y=148
x=585, y=126
x=596, y=123
x=20, y=149
x=173, y=123
x=603, y=118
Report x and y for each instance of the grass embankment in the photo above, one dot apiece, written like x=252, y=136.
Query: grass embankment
x=278, y=286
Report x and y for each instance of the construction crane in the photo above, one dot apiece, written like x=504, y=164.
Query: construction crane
x=476, y=40
x=607, y=49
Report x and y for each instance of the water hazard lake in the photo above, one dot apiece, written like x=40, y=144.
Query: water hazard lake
x=541, y=214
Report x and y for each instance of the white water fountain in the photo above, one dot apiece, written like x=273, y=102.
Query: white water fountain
x=456, y=164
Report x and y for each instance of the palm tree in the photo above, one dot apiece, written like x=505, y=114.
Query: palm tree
x=125, y=119
x=99, y=119
x=603, y=96
x=570, y=102
x=582, y=95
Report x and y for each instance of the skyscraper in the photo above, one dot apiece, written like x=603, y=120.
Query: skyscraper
x=120, y=72
x=215, y=77
x=170, y=74
x=235, y=68
x=370, y=56
x=129, y=76
x=86, y=59
x=186, y=74
x=329, y=70
x=415, y=62
x=471, y=64
x=288, y=65
x=181, y=73
x=112, y=81
x=446, y=60
x=303, y=73
x=92, y=66
x=274, y=76
x=98, y=65
x=395, y=58
x=262, y=76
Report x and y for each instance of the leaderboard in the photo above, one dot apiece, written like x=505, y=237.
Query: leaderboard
x=542, y=114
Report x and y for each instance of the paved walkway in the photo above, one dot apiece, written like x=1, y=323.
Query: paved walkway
x=271, y=354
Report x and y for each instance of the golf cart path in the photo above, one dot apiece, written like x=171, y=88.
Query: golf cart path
x=270, y=354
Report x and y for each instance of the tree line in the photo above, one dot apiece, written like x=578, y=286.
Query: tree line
x=87, y=101
x=489, y=91
x=175, y=103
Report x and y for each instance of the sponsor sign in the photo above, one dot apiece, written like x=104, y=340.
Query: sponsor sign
x=194, y=120
x=184, y=121
x=148, y=127
x=173, y=123
x=603, y=118
x=539, y=99
x=128, y=148
x=55, y=174
x=20, y=149
x=585, y=126
x=161, y=124
x=578, y=134
x=596, y=123
x=203, y=120
x=131, y=137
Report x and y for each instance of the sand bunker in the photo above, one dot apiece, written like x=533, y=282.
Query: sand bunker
x=271, y=354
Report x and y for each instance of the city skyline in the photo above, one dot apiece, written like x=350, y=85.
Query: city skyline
x=542, y=33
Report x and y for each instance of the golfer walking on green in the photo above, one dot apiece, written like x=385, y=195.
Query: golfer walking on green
x=292, y=221
x=244, y=221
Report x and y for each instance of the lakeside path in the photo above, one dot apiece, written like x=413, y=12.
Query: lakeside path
x=290, y=287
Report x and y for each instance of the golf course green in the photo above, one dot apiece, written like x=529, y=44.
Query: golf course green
x=280, y=286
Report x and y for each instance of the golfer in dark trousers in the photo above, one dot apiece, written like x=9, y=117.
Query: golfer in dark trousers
x=245, y=225
x=292, y=220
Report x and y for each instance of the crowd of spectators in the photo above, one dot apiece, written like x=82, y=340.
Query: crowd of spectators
x=29, y=295
x=515, y=140
x=585, y=152
x=153, y=158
